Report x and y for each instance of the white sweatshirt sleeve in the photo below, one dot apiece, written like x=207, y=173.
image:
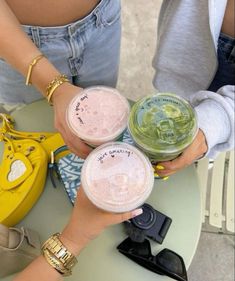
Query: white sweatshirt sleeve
x=215, y=113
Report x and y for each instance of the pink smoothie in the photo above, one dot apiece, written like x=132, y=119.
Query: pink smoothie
x=98, y=115
x=117, y=177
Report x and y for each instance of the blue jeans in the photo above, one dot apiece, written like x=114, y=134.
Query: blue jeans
x=87, y=51
x=225, y=74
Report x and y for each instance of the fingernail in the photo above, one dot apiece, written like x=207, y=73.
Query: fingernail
x=137, y=212
x=165, y=178
x=160, y=167
x=156, y=175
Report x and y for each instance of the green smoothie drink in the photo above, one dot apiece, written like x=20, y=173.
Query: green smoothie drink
x=162, y=125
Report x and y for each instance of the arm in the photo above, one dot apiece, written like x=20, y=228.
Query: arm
x=215, y=113
x=19, y=51
x=216, y=118
x=85, y=224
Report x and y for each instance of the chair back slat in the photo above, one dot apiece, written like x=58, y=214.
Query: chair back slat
x=216, y=192
x=202, y=170
x=230, y=194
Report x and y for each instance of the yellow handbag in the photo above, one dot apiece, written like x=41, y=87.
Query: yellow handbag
x=23, y=169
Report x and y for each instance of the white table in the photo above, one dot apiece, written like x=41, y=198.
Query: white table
x=178, y=197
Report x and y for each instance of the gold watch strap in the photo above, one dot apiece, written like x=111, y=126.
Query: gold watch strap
x=57, y=255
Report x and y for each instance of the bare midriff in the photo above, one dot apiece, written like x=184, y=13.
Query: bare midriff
x=51, y=13
x=228, y=26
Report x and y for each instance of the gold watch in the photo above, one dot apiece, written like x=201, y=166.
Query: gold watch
x=58, y=256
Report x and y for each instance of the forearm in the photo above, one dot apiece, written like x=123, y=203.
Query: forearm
x=39, y=270
x=85, y=224
x=18, y=50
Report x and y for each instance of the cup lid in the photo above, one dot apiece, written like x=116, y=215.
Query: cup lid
x=117, y=177
x=98, y=114
x=163, y=123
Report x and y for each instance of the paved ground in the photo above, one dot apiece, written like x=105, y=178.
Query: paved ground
x=214, y=259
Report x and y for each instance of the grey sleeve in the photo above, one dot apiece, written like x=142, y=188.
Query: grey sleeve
x=215, y=113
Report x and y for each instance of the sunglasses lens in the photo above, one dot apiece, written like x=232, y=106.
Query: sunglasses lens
x=166, y=262
x=135, y=248
x=172, y=263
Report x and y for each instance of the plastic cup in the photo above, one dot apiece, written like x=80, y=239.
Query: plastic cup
x=117, y=177
x=162, y=125
x=98, y=115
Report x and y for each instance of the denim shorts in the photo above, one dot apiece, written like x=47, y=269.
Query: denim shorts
x=225, y=74
x=87, y=51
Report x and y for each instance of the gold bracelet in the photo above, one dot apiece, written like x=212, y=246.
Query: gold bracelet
x=54, y=262
x=57, y=255
x=31, y=65
x=53, y=85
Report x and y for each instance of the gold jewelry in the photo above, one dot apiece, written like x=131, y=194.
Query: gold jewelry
x=58, y=256
x=55, y=263
x=31, y=65
x=53, y=85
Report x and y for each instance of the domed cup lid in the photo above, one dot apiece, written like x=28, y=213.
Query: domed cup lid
x=163, y=123
x=117, y=177
x=98, y=114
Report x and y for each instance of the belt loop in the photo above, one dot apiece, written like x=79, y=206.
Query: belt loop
x=70, y=30
x=97, y=13
x=36, y=36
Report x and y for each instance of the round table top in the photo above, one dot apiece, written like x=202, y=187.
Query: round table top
x=178, y=198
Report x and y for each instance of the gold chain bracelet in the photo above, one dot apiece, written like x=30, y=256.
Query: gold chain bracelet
x=53, y=85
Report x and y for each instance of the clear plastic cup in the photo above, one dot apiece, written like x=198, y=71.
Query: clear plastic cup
x=98, y=115
x=162, y=125
x=117, y=177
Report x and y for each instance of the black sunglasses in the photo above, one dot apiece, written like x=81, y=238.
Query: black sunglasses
x=166, y=262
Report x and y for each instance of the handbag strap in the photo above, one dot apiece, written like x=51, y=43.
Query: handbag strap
x=60, y=149
x=8, y=142
x=53, y=169
x=8, y=129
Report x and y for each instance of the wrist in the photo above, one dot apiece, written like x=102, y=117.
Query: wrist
x=43, y=73
x=73, y=240
x=54, y=85
x=58, y=255
x=65, y=91
x=61, y=91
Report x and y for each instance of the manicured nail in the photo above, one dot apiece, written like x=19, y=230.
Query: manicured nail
x=160, y=167
x=137, y=212
x=156, y=175
x=165, y=178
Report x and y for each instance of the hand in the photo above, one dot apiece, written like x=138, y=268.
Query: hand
x=193, y=152
x=87, y=222
x=61, y=99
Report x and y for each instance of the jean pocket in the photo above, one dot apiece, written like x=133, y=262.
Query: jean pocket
x=231, y=57
x=111, y=12
x=227, y=50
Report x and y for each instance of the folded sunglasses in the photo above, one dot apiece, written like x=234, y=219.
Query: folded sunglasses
x=166, y=262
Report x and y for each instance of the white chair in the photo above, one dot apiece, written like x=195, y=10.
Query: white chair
x=217, y=191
